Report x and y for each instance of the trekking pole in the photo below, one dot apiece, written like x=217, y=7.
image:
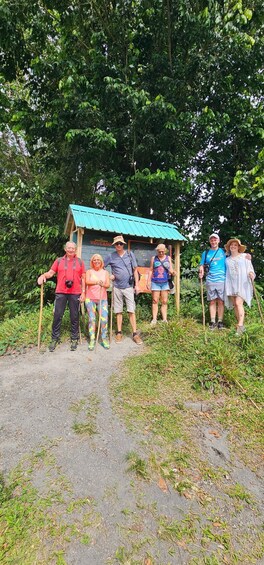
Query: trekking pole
x=99, y=318
x=203, y=311
x=258, y=302
x=80, y=332
x=111, y=314
x=40, y=314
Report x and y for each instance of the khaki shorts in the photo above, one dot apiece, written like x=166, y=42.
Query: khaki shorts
x=119, y=295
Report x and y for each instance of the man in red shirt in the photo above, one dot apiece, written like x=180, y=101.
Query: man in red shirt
x=70, y=271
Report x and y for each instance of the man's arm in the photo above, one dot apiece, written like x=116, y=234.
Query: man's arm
x=48, y=275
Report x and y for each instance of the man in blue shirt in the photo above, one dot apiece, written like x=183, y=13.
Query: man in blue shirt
x=124, y=271
x=213, y=266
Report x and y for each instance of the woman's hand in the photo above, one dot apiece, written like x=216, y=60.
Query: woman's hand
x=251, y=275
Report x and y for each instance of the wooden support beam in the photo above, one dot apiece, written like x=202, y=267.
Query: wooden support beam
x=80, y=232
x=177, y=248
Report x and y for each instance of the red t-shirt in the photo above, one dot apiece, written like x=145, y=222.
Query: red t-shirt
x=68, y=270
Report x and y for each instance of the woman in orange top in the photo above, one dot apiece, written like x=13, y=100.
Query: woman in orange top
x=97, y=281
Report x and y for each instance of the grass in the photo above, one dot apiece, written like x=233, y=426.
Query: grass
x=85, y=411
x=33, y=528
x=151, y=396
x=179, y=366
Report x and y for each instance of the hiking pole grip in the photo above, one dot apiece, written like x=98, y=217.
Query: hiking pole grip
x=40, y=314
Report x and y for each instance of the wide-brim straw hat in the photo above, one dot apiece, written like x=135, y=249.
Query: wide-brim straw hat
x=117, y=239
x=241, y=248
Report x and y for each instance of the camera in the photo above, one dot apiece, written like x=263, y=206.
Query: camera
x=68, y=284
x=131, y=280
x=206, y=269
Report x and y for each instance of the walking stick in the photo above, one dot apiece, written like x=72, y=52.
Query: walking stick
x=99, y=318
x=80, y=333
x=203, y=311
x=111, y=314
x=40, y=314
x=258, y=302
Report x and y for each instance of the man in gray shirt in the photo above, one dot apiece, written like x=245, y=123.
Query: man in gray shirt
x=124, y=271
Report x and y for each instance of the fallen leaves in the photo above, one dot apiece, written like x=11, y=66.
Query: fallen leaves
x=214, y=433
x=162, y=485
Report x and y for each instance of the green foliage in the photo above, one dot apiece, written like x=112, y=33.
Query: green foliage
x=22, y=331
x=154, y=110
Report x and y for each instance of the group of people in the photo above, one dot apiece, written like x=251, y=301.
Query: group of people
x=76, y=285
x=229, y=277
x=229, y=280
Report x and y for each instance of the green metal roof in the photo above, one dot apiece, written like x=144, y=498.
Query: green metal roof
x=105, y=221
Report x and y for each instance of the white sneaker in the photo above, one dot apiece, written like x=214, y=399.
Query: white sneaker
x=153, y=322
x=240, y=330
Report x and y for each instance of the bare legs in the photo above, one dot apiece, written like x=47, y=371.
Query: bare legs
x=216, y=305
x=239, y=309
x=132, y=319
x=156, y=296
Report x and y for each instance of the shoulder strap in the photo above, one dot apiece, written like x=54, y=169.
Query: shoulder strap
x=126, y=264
x=79, y=261
x=166, y=268
x=206, y=253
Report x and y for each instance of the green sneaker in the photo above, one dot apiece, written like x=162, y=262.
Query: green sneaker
x=105, y=343
x=74, y=343
x=53, y=344
x=91, y=345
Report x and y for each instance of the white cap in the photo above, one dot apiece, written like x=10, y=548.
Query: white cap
x=214, y=235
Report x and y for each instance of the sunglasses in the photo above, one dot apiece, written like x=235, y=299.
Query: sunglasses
x=119, y=243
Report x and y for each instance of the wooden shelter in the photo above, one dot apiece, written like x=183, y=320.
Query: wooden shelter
x=93, y=230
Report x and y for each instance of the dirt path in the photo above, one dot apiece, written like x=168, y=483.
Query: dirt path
x=114, y=517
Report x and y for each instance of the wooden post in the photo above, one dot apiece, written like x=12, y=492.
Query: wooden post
x=80, y=232
x=177, y=276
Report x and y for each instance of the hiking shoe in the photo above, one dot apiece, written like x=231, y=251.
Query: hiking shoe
x=240, y=330
x=212, y=325
x=153, y=322
x=91, y=345
x=53, y=344
x=105, y=343
x=137, y=339
x=118, y=338
x=74, y=343
x=220, y=325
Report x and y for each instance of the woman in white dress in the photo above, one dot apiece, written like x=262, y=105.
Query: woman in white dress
x=239, y=277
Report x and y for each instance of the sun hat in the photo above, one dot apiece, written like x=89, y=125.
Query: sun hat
x=241, y=248
x=117, y=239
x=214, y=235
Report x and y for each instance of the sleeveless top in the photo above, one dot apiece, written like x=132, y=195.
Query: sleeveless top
x=93, y=290
x=160, y=274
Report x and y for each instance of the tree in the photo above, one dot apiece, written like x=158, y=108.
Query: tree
x=151, y=108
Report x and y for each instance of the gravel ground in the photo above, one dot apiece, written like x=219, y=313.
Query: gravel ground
x=40, y=396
